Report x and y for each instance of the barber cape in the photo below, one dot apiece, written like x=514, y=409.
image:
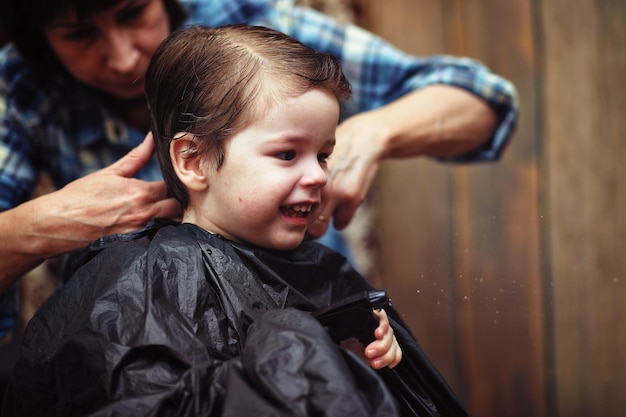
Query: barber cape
x=175, y=321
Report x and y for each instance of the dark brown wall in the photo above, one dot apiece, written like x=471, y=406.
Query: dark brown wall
x=585, y=195
x=513, y=275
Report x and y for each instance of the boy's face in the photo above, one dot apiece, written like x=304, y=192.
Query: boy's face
x=274, y=180
x=111, y=50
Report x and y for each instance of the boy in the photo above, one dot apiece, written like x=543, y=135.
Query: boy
x=211, y=316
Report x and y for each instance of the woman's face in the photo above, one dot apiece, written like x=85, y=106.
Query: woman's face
x=274, y=180
x=111, y=50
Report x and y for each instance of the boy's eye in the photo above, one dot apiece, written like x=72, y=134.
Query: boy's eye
x=323, y=157
x=286, y=155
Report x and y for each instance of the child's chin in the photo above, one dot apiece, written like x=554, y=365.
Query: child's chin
x=287, y=244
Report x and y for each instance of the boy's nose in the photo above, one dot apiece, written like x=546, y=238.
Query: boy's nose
x=315, y=175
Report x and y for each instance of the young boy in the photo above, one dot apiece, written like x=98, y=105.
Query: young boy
x=212, y=316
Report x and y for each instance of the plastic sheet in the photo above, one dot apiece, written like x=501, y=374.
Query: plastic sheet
x=175, y=321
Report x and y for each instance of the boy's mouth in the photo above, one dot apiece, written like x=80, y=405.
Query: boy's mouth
x=298, y=210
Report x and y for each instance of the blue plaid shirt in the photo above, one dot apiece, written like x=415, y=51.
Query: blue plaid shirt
x=61, y=127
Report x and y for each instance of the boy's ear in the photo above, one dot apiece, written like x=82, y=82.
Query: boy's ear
x=187, y=163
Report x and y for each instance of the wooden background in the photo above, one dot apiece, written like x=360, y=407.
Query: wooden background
x=513, y=275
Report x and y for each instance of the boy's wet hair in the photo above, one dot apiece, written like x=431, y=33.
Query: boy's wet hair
x=212, y=82
x=24, y=21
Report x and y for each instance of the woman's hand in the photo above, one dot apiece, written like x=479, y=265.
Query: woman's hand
x=436, y=121
x=111, y=201
x=106, y=202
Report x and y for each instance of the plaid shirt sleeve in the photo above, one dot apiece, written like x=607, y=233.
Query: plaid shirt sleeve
x=380, y=73
x=16, y=179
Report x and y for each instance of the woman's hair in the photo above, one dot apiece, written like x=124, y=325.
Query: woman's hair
x=212, y=82
x=24, y=21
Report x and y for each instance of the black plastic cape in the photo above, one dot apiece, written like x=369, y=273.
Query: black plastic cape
x=172, y=320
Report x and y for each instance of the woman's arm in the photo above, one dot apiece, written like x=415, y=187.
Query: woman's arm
x=437, y=121
x=105, y=202
x=452, y=108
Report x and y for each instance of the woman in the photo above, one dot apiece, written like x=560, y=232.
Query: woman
x=71, y=105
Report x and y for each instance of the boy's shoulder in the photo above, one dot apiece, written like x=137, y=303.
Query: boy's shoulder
x=158, y=242
x=116, y=243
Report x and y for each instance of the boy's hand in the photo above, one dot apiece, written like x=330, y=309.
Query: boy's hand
x=384, y=351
